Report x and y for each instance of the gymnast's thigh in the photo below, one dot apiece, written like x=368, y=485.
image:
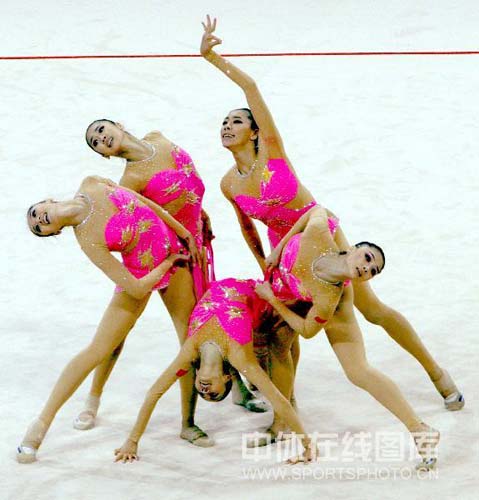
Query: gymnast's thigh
x=343, y=327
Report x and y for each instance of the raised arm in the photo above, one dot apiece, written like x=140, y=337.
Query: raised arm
x=317, y=317
x=179, y=367
x=116, y=271
x=268, y=131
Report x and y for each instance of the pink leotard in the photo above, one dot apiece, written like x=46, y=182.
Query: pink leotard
x=143, y=239
x=184, y=181
x=236, y=306
x=285, y=285
x=172, y=183
x=278, y=187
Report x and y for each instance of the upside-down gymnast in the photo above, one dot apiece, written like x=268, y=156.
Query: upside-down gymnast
x=221, y=333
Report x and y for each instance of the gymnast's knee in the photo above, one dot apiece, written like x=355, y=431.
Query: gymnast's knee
x=117, y=351
x=359, y=375
x=96, y=354
x=377, y=313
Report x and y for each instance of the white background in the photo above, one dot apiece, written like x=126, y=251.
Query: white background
x=390, y=144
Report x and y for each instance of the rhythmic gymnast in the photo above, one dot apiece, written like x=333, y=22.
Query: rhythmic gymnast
x=107, y=218
x=263, y=185
x=163, y=172
x=220, y=334
x=311, y=269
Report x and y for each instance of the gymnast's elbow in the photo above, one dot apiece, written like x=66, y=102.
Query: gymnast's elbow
x=135, y=292
x=308, y=333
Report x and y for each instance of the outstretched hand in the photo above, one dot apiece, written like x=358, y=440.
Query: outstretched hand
x=209, y=40
x=310, y=454
x=127, y=453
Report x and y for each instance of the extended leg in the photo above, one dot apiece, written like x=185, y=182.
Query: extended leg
x=117, y=321
x=282, y=374
x=345, y=338
x=401, y=331
x=86, y=419
x=179, y=299
x=295, y=353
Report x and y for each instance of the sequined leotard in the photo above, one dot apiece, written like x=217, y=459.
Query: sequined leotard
x=278, y=187
x=143, y=239
x=236, y=306
x=285, y=285
x=182, y=182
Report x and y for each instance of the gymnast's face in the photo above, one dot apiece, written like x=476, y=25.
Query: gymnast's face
x=364, y=262
x=105, y=137
x=236, y=130
x=43, y=219
x=212, y=386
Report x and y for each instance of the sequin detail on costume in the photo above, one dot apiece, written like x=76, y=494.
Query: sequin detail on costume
x=236, y=306
x=141, y=237
x=172, y=183
x=183, y=181
x=278, y=187
x=285, y=285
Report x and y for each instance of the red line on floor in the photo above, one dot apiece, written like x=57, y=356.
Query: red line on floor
x=266, y=54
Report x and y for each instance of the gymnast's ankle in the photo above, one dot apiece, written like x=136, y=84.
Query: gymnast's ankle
x=27, y=451
x=86, y=418
x=426, y=439
x=453, y=398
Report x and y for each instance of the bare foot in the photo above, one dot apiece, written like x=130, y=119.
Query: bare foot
x=196, y=436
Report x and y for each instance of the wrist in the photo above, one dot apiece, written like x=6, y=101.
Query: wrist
x=212, y=57
x=273, y=300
